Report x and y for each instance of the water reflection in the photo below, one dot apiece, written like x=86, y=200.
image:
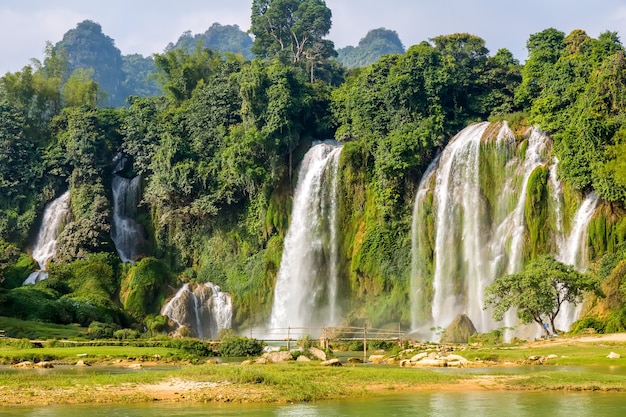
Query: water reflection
x=422, y=404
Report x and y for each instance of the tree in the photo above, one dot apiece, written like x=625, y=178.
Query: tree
x=539, y=291
x=289, y=28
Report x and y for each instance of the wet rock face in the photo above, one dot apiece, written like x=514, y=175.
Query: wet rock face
x=459, y=330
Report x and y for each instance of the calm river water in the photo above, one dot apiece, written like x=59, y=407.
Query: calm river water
x=435, y=404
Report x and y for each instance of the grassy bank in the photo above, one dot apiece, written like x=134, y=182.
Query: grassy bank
x=293, y=381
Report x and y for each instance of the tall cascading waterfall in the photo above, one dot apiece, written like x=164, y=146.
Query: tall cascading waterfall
x=126, y=232
x=203, y=309
x=573, y=251
x=55, y=216
x=306, y=290
x=469, y=224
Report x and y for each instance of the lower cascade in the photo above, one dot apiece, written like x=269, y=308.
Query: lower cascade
x=200, y=310
x=306, y=291
x=126, y=232
x=470, y=225
x=55, y=216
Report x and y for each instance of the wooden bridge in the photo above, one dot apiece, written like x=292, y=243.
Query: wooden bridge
x=327, y=335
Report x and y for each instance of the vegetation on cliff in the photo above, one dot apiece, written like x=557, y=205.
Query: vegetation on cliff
x=218, y=150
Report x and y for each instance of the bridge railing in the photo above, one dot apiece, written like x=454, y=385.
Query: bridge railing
x=329, y=334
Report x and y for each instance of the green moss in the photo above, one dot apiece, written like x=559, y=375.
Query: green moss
x=607, y=229
x=536, y=212
x=144, y=288
x=15, y=274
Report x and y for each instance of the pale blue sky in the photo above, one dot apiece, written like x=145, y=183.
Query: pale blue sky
x=147, y=26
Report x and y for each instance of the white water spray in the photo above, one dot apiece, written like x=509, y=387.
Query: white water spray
x=306, y=291
x=203, y=309
x=55, y=216
x=126, y=233
x=573, y=252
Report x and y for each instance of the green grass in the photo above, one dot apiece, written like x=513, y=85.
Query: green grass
x=37, y=330
x=569, y=353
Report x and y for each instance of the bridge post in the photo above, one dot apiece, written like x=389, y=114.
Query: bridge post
x=364, y=343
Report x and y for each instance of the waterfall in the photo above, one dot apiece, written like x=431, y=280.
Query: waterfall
x=479, y=224
x=306, y=291
x=126, y=232
x=55, y=216
x=573, y=251
x=203, y=309
x=418, y=269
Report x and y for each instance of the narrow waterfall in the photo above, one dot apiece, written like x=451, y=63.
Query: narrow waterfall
x=202, y=309
x=419, y=293
x=126, y=232
x=306, y=291
x=55, y=216
x=573, y=251
x=472, y=205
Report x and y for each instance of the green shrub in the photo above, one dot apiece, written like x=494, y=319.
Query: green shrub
x=306, y=342
x=236, y=346
x=580, y=326
x=98, y=330
x=380, y=344
x=616, y=322
x=125, y=334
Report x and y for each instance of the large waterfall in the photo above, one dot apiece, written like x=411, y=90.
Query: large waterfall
x=573, y=251
x=203, y=309
x=469, y=224
x=306, y=291
x=55, y=216
x=126, y=232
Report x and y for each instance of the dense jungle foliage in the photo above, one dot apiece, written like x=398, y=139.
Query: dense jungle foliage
x=219, y=146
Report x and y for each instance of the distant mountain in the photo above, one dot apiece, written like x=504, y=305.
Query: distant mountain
x=376, y=43
x=87, y=47
x=222, y=38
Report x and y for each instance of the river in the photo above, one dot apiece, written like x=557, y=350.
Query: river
x=439, y=404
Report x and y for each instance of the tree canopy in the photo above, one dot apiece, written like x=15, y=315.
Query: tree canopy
x=292, y=30
x=539, y=291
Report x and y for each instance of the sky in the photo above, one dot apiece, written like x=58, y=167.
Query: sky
x=147, y=26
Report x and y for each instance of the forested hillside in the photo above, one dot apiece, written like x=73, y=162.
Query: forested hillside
x=217, y=152
x=376, y=43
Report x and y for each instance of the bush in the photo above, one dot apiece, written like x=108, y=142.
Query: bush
x=98, y=330
x=380, y=345
x=580, y=326
x=235, y=346
x=125, y=334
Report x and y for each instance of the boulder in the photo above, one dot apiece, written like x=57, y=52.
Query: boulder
x=459, y=330
x=553, y=356
x=436, y=363
x=455, y=358
x=82, y=363
x=318, y=353
x=303, y=358
x=246, y=362
x=25, y=364
x=44, y=365
x=331, y=362
x=262, y=361
x=613, y=355
x=377, y=359
x=419, y=357
x=135, y=366
x=280, y=356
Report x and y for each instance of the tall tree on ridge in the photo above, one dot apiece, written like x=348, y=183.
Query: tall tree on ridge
x=291, y=29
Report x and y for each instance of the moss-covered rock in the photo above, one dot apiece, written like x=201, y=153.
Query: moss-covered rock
x=144, y=289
